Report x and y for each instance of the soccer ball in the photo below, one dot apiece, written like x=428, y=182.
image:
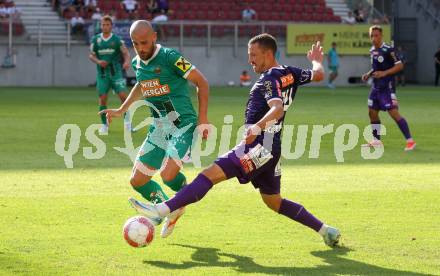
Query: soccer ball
x=138, y=231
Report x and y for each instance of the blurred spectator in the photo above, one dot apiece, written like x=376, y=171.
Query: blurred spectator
x=437, y=65
x=245, y=79
x=90, y=5
x=152, y=6
x=96, y=17
x=78, y=5
x=359, y=14
x=160, y=18
x=350, y=19
x=400, y=76
x=3, y=10
x=163, y=6
x=130, y=6
x=77, y=23
x=248, y=14
x=64, y=5
x=13, y=11
x=333, y=65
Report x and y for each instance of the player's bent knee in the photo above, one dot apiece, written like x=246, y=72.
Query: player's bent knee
x=137, y=181
x=273, y=202
x=168, y=175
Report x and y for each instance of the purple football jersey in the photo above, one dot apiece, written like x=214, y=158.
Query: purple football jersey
x=382, y=59
x=277, y=83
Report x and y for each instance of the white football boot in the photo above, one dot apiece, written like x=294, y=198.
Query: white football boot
x=170, y=222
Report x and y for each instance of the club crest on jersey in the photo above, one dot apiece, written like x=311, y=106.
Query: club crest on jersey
x=157, y=70
x=287, y=80
x=183, y=64
x=380, y=59
x=153, y=88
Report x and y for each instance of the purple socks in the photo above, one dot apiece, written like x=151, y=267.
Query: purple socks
x=403, y=125
x=191, y=193
x=298, y=213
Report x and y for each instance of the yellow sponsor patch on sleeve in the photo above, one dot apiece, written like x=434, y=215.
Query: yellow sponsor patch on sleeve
x=183, y=64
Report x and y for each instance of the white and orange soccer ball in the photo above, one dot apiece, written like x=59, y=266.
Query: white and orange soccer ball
x=138, y=231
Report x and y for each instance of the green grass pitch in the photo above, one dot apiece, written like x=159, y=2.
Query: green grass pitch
x=57, y=221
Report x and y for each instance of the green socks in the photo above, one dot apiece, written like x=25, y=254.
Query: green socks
x=152, y=192
x=103, y=118
x=177, y=183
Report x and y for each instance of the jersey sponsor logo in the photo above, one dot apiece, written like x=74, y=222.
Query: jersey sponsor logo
x=183, y=64
x=287, y=80
x=106, y=51
x=268, y=86
x=153, y=88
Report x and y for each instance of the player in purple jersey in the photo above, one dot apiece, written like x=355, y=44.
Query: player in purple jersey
x=385, y=64
x=257, y=157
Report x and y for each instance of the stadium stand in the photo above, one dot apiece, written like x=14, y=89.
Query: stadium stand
x=270, y=11
x=7, y=11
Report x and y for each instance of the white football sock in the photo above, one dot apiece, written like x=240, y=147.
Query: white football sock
x=163, y=209
x=323, y=229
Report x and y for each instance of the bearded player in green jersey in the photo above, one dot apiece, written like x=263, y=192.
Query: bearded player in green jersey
x=162, y=76
x=106, y=50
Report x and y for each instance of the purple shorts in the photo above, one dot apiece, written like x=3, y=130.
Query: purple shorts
x=255, y=164
x=382, y=99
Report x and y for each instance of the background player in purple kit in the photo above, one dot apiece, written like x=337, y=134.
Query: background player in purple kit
x=257, y=157
x=385, y=64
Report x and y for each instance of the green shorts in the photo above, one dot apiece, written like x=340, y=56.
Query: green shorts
x=163, y=142
x=117, y=83
x=333, y=69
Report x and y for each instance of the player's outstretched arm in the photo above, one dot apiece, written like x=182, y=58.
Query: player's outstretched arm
x=199, y=80
x=135, y=94
x=275, y=112
x=316, y=55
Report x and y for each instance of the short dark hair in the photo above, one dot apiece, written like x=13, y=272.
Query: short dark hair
x=375, y=28
x=265, y=41
x=107, y=18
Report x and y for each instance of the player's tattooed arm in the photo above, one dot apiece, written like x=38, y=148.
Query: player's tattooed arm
x=275, y=112
x=202, y=85
x=316, y=55
x=135, y=94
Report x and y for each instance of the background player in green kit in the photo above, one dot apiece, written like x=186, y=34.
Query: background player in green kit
x=106, y=50
x=162, y=76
